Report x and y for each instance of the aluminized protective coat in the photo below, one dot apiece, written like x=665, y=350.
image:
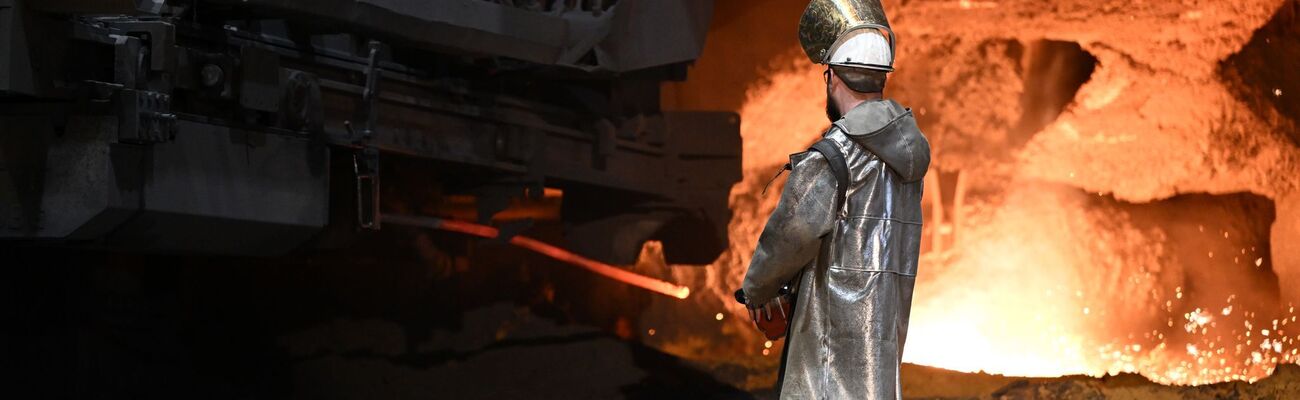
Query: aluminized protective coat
x=824, y=22
x=856, y=265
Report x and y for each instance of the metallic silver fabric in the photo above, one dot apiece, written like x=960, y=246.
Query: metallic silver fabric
x=856, y=266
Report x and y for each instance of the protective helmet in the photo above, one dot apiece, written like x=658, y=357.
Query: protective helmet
x=847, y=33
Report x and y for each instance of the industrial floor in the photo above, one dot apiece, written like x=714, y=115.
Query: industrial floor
x=87, y=324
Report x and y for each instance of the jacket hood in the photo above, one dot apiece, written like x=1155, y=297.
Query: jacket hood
x=889, y=131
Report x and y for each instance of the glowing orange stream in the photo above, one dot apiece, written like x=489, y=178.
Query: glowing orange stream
x=606, y=270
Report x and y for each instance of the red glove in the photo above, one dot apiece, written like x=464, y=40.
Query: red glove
x=773, y=318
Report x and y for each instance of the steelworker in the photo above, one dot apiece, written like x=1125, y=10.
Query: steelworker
x=846, y=234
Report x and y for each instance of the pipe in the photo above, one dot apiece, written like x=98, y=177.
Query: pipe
x=606, y=270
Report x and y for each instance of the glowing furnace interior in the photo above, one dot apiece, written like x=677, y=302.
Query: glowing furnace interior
x=1114, y=186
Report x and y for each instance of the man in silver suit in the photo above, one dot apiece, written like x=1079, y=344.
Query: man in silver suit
x=846, y=234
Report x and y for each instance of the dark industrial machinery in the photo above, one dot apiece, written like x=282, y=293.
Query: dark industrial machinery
x=257, y=127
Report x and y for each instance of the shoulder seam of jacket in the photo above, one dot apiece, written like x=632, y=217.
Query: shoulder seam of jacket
x=906, y=112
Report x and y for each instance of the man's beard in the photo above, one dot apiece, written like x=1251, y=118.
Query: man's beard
x=832, y=111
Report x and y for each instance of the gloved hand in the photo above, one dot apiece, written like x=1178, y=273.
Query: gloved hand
x=771, y=318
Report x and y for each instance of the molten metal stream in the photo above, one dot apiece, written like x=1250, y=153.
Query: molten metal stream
x=609, y=271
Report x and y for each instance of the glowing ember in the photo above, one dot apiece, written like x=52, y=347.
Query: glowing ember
x=1196, y=320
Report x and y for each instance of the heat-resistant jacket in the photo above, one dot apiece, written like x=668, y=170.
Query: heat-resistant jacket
x=855, y=265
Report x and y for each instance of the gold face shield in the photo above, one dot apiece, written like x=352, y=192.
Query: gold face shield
x=825, y=22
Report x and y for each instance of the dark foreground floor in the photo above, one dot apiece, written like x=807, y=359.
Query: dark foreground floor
x=88, y=325
x=98, y=325
x=502, y=353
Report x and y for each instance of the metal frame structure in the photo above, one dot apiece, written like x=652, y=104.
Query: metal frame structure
x=213, y=126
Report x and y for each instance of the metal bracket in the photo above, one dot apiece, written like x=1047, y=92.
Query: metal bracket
x=160, y=37
x=144, y=117
x=365, y=164
x=370, y=96
x=139, y=98
x=365, y=161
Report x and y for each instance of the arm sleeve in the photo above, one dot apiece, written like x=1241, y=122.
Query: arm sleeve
x=793, y=233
